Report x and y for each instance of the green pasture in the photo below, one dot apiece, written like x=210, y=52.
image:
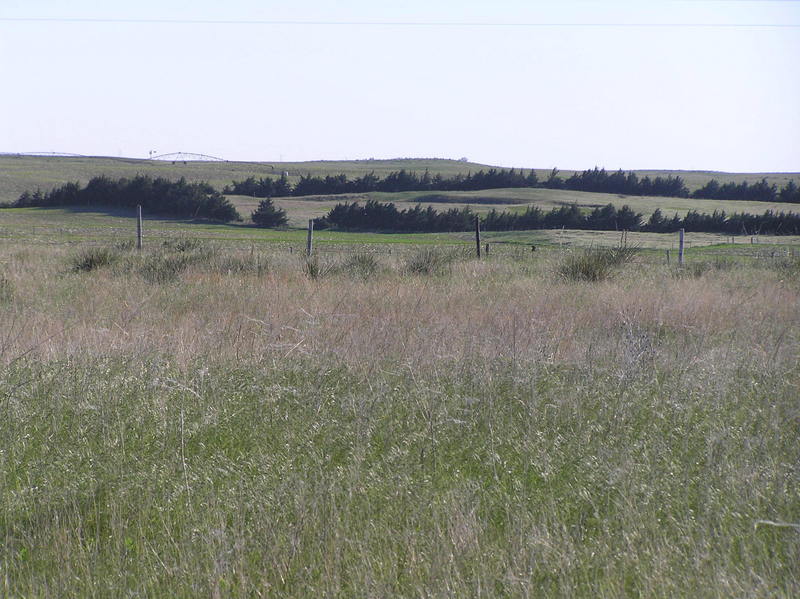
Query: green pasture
x=61, y=225
x=301, y=209
x=20, y=173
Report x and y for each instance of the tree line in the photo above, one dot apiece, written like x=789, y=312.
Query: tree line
x=379, y=216
x=593, y=180
x=756, y=192
x=156, y=196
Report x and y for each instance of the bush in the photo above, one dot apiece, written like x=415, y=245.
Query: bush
x=314, y=269
x=428, y=261
x=595, y=264
x=6, y=290
x=229, y=264
x=183, y=244
x=92, y=259
x=269, y=215
x=165, y=268
x=363, y=266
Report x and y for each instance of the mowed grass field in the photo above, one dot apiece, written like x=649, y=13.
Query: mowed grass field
x=212, y=419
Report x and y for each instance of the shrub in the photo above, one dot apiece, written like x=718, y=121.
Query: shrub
x=6, y=290
x=315, y=269
x=164, y=268
x=428, y=261
x=183, y=244
x=363, y=266
x=595, y=264
x=269, y=215
x=231, y=264
x=92, y=259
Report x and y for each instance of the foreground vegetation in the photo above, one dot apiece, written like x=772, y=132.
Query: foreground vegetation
x=202, y=421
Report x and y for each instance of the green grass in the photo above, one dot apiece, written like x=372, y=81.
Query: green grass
x=305, y=482
x=60, y=225
x=20, y=173
x=473, y=429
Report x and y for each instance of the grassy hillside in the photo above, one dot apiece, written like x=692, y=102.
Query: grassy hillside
x=60, y=226
x=301, y=209
x=18, y=173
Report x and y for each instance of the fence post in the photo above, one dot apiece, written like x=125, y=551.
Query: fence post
x=478, y=236
x=486, y=249
x=139, y=227
x=310, y=240
x=667, y=257
x=681, y=235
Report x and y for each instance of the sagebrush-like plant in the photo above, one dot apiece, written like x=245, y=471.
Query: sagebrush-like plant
x=93, y=258
x=595, y=264
x=429, y=261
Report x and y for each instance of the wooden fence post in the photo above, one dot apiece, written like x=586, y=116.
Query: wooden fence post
x=478, y=236
x=667, y=257
x=310, y=240
x=139, y=227
x=681, y=235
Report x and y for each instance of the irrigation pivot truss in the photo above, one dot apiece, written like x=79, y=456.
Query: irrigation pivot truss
x=187, y=157
x=173, y=157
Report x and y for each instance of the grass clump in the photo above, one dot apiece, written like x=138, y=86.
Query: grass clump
x=361, y=266
x=595, y=264
x=430, y=261
x=229, y=264
x=6, y=290
x=183, y=244
x=93, y=259
x=316, y=269
x=164, y=268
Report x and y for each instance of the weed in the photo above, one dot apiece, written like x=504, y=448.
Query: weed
x=696, y=269
x=232, y=264
x=6, y=290
x=595, y=264
x=315, y=269
x=429, y=261
x=124, y=245
x=362, y=266
x=164, y=268
x=183, y=244
x=93, y=258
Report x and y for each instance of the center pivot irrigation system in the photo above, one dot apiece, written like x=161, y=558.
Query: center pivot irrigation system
x=185, y=157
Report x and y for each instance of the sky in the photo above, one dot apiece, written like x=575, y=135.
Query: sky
x=571, y=84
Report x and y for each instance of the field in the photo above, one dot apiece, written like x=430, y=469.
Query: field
x=301, y=209
x=62, y=226
x=216, y=419
x=20, y=173
x=219, y=416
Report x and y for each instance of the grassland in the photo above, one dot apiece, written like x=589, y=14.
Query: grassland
x=301, y=209
x=218, y=416
x=205, y=420
x=61, y=226
x=20, y=173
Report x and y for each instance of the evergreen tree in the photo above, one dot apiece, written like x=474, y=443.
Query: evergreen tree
x=268, y=215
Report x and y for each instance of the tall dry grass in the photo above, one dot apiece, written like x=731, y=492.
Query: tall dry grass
x=515, y=311
x=487, y=429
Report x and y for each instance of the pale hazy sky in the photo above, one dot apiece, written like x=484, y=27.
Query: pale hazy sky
x=574, y=84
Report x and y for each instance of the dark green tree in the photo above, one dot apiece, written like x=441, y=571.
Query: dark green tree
x=269, y=215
